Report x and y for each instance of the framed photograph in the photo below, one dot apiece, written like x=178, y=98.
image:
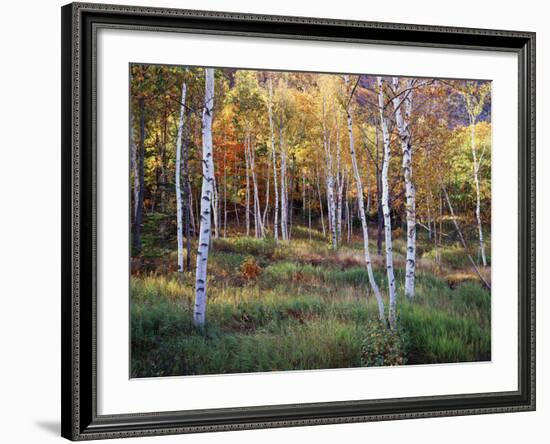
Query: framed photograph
x=280, y=221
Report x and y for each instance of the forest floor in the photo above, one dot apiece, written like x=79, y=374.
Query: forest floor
x=299, y=305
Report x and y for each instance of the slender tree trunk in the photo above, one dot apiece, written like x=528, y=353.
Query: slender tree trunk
x=429, y=217
x=339, y=186
x=329, y=207
x=309, y=199
x=138, y=196
x=274, y=160
x=359, y=186
x=196, y=215
x=225, y=193
x=379, y=210
x=303, y=196
x=258, y=226
x=478, y=198
x=247, y=198
x=348, y=219
x=386, y=206
x=265, y=221
x=215, y=207
x=340, y=208
x=439, y=242
x=320, y=203
x=179, y=200
x=133, y=168
x=199, y=314
x=284, y=197
x=187, y=196
x=330, y=183
x=236, y=197
x=403, y=107
x=290, y=203
x=461, y=237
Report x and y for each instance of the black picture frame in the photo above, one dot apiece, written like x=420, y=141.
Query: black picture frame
x=80, y=420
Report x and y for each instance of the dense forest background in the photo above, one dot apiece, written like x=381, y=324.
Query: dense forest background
x=286, y=220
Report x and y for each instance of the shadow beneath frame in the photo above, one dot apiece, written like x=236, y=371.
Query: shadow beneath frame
x=53, y=427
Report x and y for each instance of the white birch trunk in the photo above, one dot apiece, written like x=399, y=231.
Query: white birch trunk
x=339, y=184
x=330, y=183
x=362, y=215
x=247, y=198
x=386, y=206
x=403, y=106
x=258, y=226
x=478, y=198
x=309, y=209
x=340, y=202
x=289, y=202
x=284, y=215
x=199, y=313
x=318, y=180
x=179, y=201
x=274, y=160
x=265, y=221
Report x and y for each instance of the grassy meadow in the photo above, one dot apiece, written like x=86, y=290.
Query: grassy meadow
x=253, y=194
x=298, y=304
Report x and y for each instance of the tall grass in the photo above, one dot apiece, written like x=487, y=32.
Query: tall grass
x=306, y=308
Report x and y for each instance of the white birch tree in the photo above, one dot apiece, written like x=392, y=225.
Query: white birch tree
x=258, y=225
x=330, y=180
x=284, y=201
x=247, y=197
x=317, y=181
x=402, y=102
x=474, y=100
x=385, y=204
x=199, y=313
x=339, y=183
x=274, y=160
x=362, y=215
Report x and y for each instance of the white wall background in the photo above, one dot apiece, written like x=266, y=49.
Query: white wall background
x=30, y=222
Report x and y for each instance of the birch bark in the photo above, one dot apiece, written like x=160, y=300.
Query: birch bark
x=330, y=181
x=265, y=221
x=386, y=206
x=274, y=160
x=403, y=106
x=284, y=215
x=318, y=180
x=362, y=215
x=474, y=99
x=258, y=226
x=199, y=313
x=339, y=184
x=476, y=181
x=247, y=198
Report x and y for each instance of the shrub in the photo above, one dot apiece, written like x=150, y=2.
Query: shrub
x=250, y=270
x=382, y=346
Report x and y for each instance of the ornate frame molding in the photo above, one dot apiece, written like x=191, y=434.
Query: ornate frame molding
x=79, y=413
